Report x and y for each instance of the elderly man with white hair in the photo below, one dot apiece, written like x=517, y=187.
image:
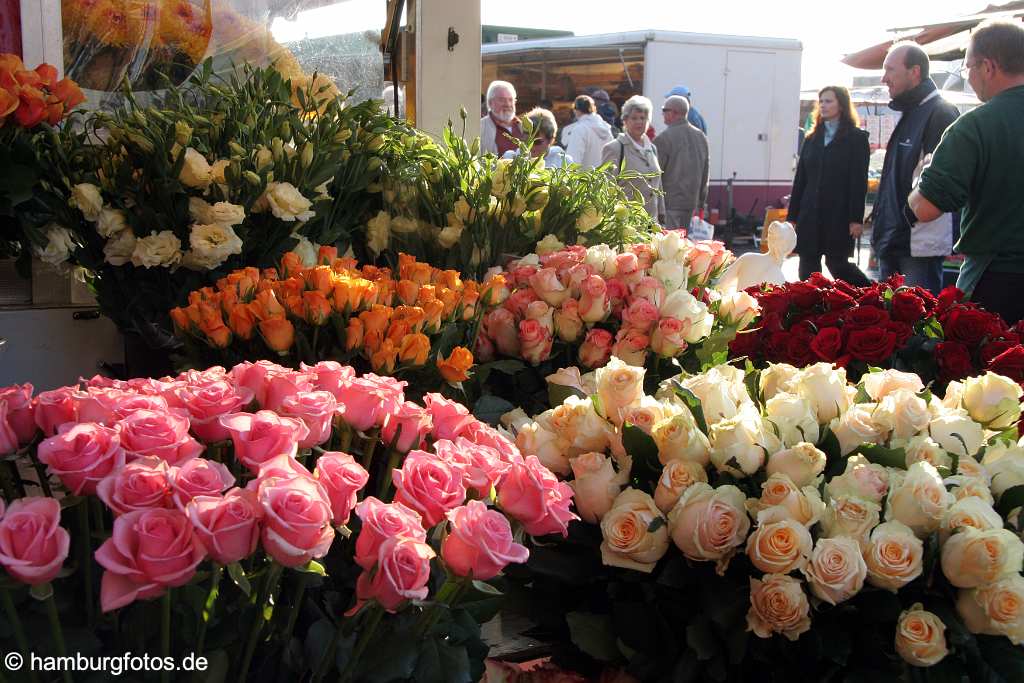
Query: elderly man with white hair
x=632, y=150
x=500, y=129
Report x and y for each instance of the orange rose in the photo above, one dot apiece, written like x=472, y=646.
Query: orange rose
x=241, y=321
x=28, y=78
x=397, y=330
x=179, y=316
x=326, y=254
x=48, y=75
x=450, y=298
x=383, y=359
x=294, y=305
x=69, y=93
x=469, y=298
x=495, y=290
x=455, y=367
x=320, y=279
x=11, y=62
x=408, y=291
x=385, y=293
x=354, y=334
x=427, y=293
x=414, y=349
x=266, y=306
x=278, y=333
x=448, y=278
x=375, y=323
x=268, y=277
x=317, y=308
x=432, y=312
x=31, y=108
x=8, y=103
x=291, y=264
x=417, y=272
x=216, y=332
x=413, y=316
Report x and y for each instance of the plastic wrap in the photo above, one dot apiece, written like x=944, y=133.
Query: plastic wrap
x=147, y=42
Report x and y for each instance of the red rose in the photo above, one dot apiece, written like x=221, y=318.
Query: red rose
x=902, y=330
x=837, y=301
x=798, y=351
x=847, y=288
x=871, y=345
x=907, y=307
x=872, y=296
x=829, y=319
x=775, y=345
x=949, y=296
x=827, y=344
x=771, y=322
x=773, y=301
x=863, y=317
x=1010, y=363
x=971, y=325
x=804, y=294
x=954, y=360
x=992, y=349
x=820, y=281
x=746, y=344
x=894, y=282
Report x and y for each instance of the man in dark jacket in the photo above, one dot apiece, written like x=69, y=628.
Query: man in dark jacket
x=903, y=245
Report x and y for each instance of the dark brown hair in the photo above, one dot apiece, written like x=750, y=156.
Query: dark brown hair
x=1003, y=43
x=847, y=114
x=585, y=104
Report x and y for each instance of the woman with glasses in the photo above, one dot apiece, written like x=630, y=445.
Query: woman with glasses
x=632, y=150
x=545, y=127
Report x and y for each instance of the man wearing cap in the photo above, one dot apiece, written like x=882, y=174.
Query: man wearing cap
x=606, y=109
x=694, y=116
x=500, y=129
x=685, y=163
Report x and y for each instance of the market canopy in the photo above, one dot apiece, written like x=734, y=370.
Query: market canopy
x=944, y=40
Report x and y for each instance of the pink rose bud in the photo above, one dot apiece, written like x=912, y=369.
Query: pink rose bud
x=141, y=484
x=8, y=439
x=596, y=348
x=81, y=455
x=149, y=551
x=410, y=423
x=108, y=406
x=20, y=411
x=448, y=418
x=284, y=385
x=199, y=477
x=534, y=341
x=282, y=467
x=253, y=376
x=54, y=408
x=595, y=302
x=640, y=315
x=343, y=478
x=330, y=376
x=364, y=403
x=403, y=570
x=33, y=544
x=548, y=287
x=499, y=325
x=316, y=409
x=258, y=438
x=480, y=466
x=531, y=494
x=160, y=434
x=297, y=520
x=228, y=525
x=428, y=485
x=650, y=289
x=382, y=521
x=206, y=403
x=480, y=543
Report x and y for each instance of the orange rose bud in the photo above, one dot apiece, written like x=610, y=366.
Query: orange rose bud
x=448, y=278
x=427, y=293
x=418, y=272
x=397, y=331
x=269, y=274
x=278, y=333
x=354, y=334
x=294, y=305
x=8, y=103
x=412, y=316
x=242, y=321
x=291, y=264
x=408, y=291
x=345, y=264
x=31, y=108
x=340, y=296
x=54, y=112
x=326, y=255
x=48, y=74
x=414, y=349
x=455, y=368
x=450, y=299
x=266, y=306
x=495, y=290
x=69, y=93
x=377, y=318
x=11, y=62
x=217, y=334
x=317, y=308
x=180, y=318
x=379, y=293
x=320, y=278
x=432, y=310
x=383, y=360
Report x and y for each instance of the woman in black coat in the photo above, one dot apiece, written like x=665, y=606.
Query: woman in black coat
x=827, y=204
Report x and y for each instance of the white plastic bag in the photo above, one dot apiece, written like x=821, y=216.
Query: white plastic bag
x=700, y=229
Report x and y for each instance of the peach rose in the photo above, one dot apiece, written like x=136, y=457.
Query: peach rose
x=803, y=463
x=679, y=438
x=596, y=485
x=803, y=505
x=969, y=511
x=548, y=287
x=973, y=557
x=596, y=348
x=893, y=556
x=619, y=387
x=779, y=545
x=862, y=479
x=995, y=609
x=710, y=524
x=836, y=570
x=567, y=321
x=778, y=604
x=635, y=533
x=850, y=516
x=920, y=500
x=920, y=637
x=676, y=477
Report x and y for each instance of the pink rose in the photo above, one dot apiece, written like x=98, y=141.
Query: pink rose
x=297, y=520
x=448, y=418
x=429, y=485
x=596, y=348
x=595, y=304
x=486, y=435
x=330, y=376
x=480, y=544
x=567, y=321
x=258, y=438
x=82, y=454
x=164, y=435
x=33, y=544
x=149, y=551
x=20, y=411
x=110, y=405
x=531, y=494
x=366, y=401
x=54, y=408
x=283, y=385
x=410, y=423
x=8, y=439
x=215, y=373
x=534, y=341
x=141, y=484
x=640, y=315
x=548, y=287
x=403, y=570
x=645, y=255
x=668, y=339
x=382, y=521
x=102, y=382
x=500, y=326
x=206, y=403
x=521, y=274
x=199, y=477
x=516, y=303
x=343, y=478
x=316, y=409
x=618, y=291
x=253, y=376
x=631, y=346
x=481, y=466
x=228, y=525
x=283, y=466
x=651, y=289
x=627, y=268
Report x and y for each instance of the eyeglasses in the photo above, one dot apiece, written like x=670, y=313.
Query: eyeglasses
x=966, y=67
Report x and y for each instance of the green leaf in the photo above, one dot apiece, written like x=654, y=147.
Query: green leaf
x=594, y=634
x=557, y=393
x=1009, y=436
x=693, y=403
x=441, y=662
x=507, y=367
x=42, y=591
x=486, y=588
x=887, y=457
x=490, y=408
x=1012, y=497
x=656, y=524
x=237, y=575
x=1003, y=656
x=701, y=638
x=312, y=567
x=642, y=447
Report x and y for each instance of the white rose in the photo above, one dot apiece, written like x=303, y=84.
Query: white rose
x=119, y=249
x=970, y=511
x=110, y=222
x=920, y=501
x=685, y=307
x=970, y=467
x=549, y=245
x=974, y=557
x=721, y=392
x=739, y=443
x=672, y=274
x=878, y=385
x=211, y=245
x=1005, y=466
x=629, y=540
x=992, y=400
x=861, y=478
x=793, y=417
x=196, y=172
x=836, y=570
x=306, y=250
x=159, y=249
x=957, y=433
x=803, y=463
x=825, y=388
x=921, y=448
x=739, y=309
x=59, y=245
x=601, y=258
x=920, y=637
x=893, y=556
x=619, y=386
x=678, y=438
x=670, y=245
x=596, y=485
x=996, y=609
x=287, y=203
x=850, y=516
x=857, y=426
x=87, y=199
x=378, y=232
x=954, y=398
x=902, y=413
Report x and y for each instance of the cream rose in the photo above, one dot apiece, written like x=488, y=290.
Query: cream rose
x=893, y=556
x=570, y=377
x=778, y=378
x=287, y=203
x=803, y=505
x=709, y=524
x=1005, y=467
x=196, y=171
x=779, y=546
x=649, y=412
x=992, y=400
x=824, y=387
x=159, y=249
x=803, y=463
x=954, y=397
x=596, y=485
x=920, y=637
x=110, y=222
x=850, y=516
x=86, y=198
x=534, y=439
x=778, y=604
x=635, y=533
x=619, y=386
x=902, y=414
x=678, y=438
x=672, y=274
x=739, y=309
x=676, y=477
x=739, y=444
x=862, y=479
x=957, y=433
x=856, y=427
x=920, y=500
x=601, y=258
x=683, y=306
x=577, y=422
x=970, y=511
x=969, y=487
x=973, y=557
x=836, y=570
x=118, y=250
x=720, y=392
x=793, y=419
x=878, y=385
x=996, y=609
x=921, y=448
x=670, y=245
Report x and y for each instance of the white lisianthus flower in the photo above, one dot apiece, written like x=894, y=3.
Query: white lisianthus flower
x=378, y=232
x=196, y=172
x=87, y=199
x=306, y=250
x=119, y=249
x=110, y=222
x=226, y=213
x=59, y=245
x=589, y=219
x=211, y=245
x=287, y=203
x=548, y=245
x=449, y=236
x=159, y=249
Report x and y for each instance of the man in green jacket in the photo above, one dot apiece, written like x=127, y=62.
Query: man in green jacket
x=977, y=168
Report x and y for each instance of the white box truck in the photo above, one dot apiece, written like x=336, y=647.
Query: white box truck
x=747, y=89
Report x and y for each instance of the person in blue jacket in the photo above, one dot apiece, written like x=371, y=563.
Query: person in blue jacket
x=694, y=116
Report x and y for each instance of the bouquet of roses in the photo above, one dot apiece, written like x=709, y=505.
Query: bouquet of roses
x=359, y=530
x=744, y=525
x=407, y=322
x=976, y=341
